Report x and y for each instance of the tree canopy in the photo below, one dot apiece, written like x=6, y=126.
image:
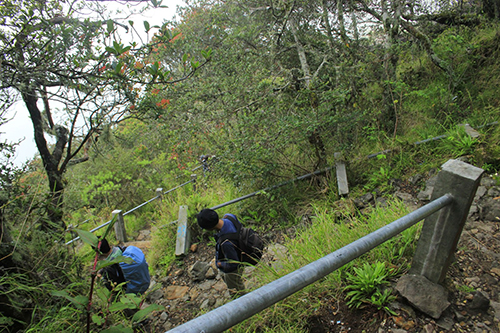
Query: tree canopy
x=75, y=77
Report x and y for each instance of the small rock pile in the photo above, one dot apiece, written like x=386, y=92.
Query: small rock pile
x=186, y=292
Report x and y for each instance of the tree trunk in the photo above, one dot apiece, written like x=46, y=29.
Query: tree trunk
x=315, y=137
x=50, y=163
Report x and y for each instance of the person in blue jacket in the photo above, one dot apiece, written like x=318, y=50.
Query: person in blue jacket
x=226, y=254
x=135, y=274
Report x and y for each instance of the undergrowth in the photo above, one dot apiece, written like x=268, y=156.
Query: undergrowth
x=331, y=229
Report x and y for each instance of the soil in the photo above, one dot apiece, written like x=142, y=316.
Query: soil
x=472, y=278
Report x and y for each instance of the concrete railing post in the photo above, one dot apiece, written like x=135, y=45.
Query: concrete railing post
x=441, y=231
x=159, y=193
x=121, y=234
x=182, y=242
x=193, y=178
x=341, y=175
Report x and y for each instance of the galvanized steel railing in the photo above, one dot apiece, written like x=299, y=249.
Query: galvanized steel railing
x=445, y=217
x=246, y=306
x=135, y=208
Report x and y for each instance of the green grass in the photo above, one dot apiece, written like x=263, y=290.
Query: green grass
x=332, y=228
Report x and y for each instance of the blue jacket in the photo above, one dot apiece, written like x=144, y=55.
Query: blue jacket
x=226, y=253
x=136, y=273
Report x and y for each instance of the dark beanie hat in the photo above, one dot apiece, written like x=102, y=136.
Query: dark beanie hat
x=104, y=248
x=207, y=218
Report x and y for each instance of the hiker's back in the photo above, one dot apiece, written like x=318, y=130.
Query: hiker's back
x=136, y=273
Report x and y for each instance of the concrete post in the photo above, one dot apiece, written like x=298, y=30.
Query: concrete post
x=341, y=175
x=470, y=131
x=183, y=242
x=193, y=178
x=441, y=231
x=159, y=194
x=121, y=234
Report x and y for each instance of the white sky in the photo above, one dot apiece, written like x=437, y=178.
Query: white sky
x=21, y=128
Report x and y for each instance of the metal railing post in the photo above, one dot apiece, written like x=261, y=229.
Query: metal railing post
x=120, y=232
x=193, y=178
x=441, y=231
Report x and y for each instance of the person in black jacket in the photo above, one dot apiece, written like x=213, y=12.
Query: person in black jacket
x=226, y=253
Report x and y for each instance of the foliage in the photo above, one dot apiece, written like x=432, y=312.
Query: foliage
x=83, y=65
x=367, y=286
x=458, y=143
x=282, y=92
x=334, y=226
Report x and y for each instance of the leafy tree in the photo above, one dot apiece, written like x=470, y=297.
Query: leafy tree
x=74, y=78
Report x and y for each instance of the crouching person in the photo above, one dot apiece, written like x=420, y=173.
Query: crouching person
x=135, y=275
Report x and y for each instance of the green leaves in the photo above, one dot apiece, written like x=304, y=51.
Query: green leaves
x=206, y=53
x=117, y=260
x=79, y=301
x=366, y=286
x=87, y=237
x=117, y=48
x=142, y=314
x=110, y=26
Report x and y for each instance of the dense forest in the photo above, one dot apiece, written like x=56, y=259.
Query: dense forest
x=271, y=89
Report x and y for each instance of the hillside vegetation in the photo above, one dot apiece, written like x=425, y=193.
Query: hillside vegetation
x=283, y=85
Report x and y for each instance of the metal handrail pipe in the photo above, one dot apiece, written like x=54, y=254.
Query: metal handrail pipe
x=234, y=312
x=142, y=204
x=431, y=139
x=130, y=211
x=181, y=185
x=96, y=228
x=309, y=175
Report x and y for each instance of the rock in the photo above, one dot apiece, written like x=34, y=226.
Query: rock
x=220, y=286
x=211, y=273
x=208, y=303
x=491, y=210
x=381, y=202
x=193, y=248
x=404, y=196
x=415, y=179
x=198, y=270
x=207, y=285
x=480, y=301
x=423, y=294
x=496, y=309
x=363, y=200
x=480, y=192
x=446, y=323
x=144, y=235
x=175, y=292
x=193, y=293
x=496, y=271
x=494, y=192
x=425, y=195
x=429, y=329
x=154, y=296
x=276, y=252
x=488, y=181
